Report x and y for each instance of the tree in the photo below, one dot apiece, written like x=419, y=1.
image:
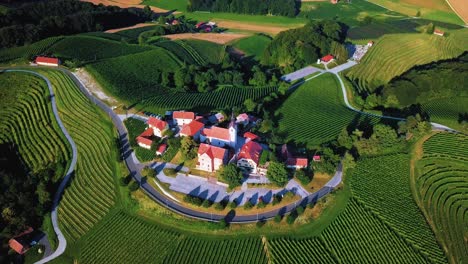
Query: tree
x=148, y=172
x=344, y=140
x=161, y=20
x=348, y=161
x=133, y=186
x=250, y=105
x=302, y=177
x=277, y=173
x=277, y=218
x=165, y=79
x=430, y=28
x=248, y=205
x=231, y=174
x=188, y=148
x=179, y=77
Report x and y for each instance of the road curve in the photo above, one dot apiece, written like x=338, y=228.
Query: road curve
x=62, y=242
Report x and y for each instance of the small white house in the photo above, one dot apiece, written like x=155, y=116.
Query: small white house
x=183, y=118
x=158, y=126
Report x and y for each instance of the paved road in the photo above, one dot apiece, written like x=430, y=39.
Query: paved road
x=62, y=242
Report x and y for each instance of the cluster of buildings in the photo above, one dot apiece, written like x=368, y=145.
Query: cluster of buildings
x=206, y=26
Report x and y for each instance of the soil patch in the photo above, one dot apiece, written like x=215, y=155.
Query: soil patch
x=269, y=29
x=93, y=87
x=219, y=38
x=131, y=27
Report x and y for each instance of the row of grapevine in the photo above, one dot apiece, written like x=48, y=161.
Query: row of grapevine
x=210, y=52
x=221, y=98
x=447, y=111
x=383, y=185
x=91, y=193
x=193, y=250
x=193, y=53
x=442, y=188
x=26, y=119
x=290, y=250
x=122, y=238
x=27, y=51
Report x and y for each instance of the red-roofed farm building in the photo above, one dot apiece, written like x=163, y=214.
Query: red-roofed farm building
x=46, y=61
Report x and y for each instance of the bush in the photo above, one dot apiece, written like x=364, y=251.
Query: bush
x=289, y=194
x=291, y=218
x=219, y=206
x=193, y=200
x=233, y=204
x=277, y=218
x=124, y=181
x=222, y=223
x=261, y=204
x=260, y=223
x=170, y=172
x=276, y=199
x=134, y=186
x=311, y=205
x=301, y=176
x=207, y=203
x=248, y=205
x=300, y=210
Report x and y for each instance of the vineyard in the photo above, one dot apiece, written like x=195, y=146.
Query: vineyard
x=253, y=46
x=382, y=184
x=393, y=55
x=26, y=119
x=183, y=51
x=219, y=99
x=447, y=111
x=28, y=51
x=91, y=193
x=290, y=250
x=321, y=110
x=136, y=75
x=442, y=190
x=210, y=52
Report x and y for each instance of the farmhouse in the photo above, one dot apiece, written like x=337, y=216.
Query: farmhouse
x=22, y=242
x=327, y=59
x=243, y=119
x=297, y=163
x=316, y=158
x=210, y=158
x=249, y=156
x=220, y=137
x=144, y=139
x=158, y=126
x=334, y=2
x=183, y=118
x=192, y=130
x=161, y=149
x=439, y=32
x=46, y=61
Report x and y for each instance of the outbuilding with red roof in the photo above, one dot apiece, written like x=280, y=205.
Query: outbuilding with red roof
x=161, y=149
x=327, y=59
x=297, y=163
x=47, y=61
x=144, y=139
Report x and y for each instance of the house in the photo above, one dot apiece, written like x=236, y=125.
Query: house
x=183, y=118
x=263, y=169
x=249, y=156
x=192, y=130
x=297, y=163
x=316, y=158
x=211, y=158
x=334, y=2
x=161, y=149
x=200, y=24
x=243, y=119
x=370, y=43
x=46, y=61
x=144, y=139
x=250, y=136
x=327, y=59
x=23, y=242
x=158, y=126
x=219, y=136
x=175, y=22
x=439, y=32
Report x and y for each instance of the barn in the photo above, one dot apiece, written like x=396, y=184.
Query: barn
x=46, y=61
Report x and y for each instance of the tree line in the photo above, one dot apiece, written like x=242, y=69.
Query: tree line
x=289, y=8
x=34, y=21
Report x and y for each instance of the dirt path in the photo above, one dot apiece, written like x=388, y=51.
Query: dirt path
x=269, y=29
x=115, y=30
x=219, y=38
x=93, y=87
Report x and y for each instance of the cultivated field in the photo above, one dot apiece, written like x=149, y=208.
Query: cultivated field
x=447, y=111
x=29, y=50
x=461, y=8
x=315, y=112
x=26, y=119
x=441, y=187
x=91, y=193
x=211, y=37
x=394, y=54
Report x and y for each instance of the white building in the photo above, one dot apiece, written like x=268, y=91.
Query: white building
x=211, y=158
x=183, y=118
x=158, y=126
x=221, y=137
x=249, y=157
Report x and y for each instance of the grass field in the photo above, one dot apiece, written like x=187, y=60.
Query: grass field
x=315, y=112
x=253, y=46
x=447, y=111
x=92, y=192
x=395, y=54
x=26, y=119
x=442, y=187
x=177, y=5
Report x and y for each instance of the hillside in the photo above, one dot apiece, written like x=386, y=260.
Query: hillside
x=394, y=54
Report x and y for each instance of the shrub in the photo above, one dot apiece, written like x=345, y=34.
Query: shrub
x=261, y=204
x=277, y=218
x=134, y=186
x=219, y=206
x=276, y=199
x=301, y=176
x=300, y=210
x=291, y=218
x=124, y=181
x=311, y=205
x=260, y=223
x=193, y=200
x=222, y=223
x=207, y=203
x=233, y=204
x=248, y=205
x=289, y=194
x=170, y=172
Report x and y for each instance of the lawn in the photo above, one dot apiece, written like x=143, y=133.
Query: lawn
x=321, y=111
x=394, y=54
x=253, y=46
x=441, y=183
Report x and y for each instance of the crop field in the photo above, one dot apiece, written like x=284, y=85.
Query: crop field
x=133, y=76
x=91, y=193
x=442, y=190
x=447, y=111
x=460, y=8
x=87, y=48
x=218, y=38
x=219, y=99
x=210, y=52
x=183, y=51
x=196, y=250
x=393, y=55
x=382, y=184
x=29, y=50
x=26, y=119
x=253, y=46
x=319, y=104
x=290, y=250
x=178, y=5
x=132, y=34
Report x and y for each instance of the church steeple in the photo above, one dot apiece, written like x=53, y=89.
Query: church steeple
x=233, y=131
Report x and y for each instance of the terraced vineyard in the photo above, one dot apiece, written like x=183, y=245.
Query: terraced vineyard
x=26, y=119
x=442, y=190
x=315, y=112
x=210, y=52
x=27, y=51
x=382, y=184
x=394, y=54
x=221, y=98
x=447, y=111
x=195, y=250
x=91, y=193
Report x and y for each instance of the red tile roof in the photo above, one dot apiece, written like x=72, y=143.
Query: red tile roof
x=251, y=150
x=183, y=115
x=438, y=32
x=327, y=58
x=159, y=124
x=250, y=135
x=147, y=133
x=161, y=148
x=217, y=132
x=144, y=140
x=316, y=157
x=300, y=162
x=192, y=128
x=18, y=242
x=212, y=151
x=47, y=60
